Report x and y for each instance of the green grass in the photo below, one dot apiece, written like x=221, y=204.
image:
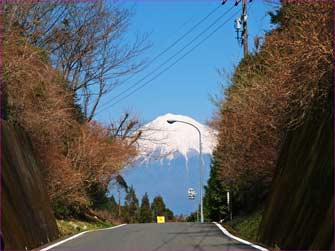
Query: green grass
x=246, y=226
x=70, y=227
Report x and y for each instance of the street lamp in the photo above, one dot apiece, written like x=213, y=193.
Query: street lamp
x=200, y=164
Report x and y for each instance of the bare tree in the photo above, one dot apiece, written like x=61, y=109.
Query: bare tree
x=127, y=129
x=85, y=42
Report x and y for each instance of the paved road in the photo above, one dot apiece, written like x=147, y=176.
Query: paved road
x=169, y=236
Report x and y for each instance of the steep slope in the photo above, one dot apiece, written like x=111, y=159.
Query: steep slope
x=300, y=209
x=27, y=220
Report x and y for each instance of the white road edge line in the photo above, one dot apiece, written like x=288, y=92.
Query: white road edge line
x=77, y=235
x=238, y=239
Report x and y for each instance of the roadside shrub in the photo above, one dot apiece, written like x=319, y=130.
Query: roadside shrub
x=75, y=154
x=271, y=92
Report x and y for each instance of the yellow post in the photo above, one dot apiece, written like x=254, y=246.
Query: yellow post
x=160, y=219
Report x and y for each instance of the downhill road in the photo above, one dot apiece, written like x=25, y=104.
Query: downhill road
x=169, y=236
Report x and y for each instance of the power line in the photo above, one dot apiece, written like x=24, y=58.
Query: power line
x=169, y=47
x=168, y=60
x=183, y=36
x=171, y=65
x=176, y=41
x=167, y=68
x=161, y=54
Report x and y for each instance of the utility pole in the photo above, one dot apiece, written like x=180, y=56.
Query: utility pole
x=244, y=28
x=198, y=213
x=119, y=215
x=230, y=208
x=242, y=21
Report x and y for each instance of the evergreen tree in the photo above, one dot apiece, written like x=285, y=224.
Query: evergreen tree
x=168, y=214
x=193, y=217
x=97, y=195
x=114, y=208
x=145, y=210
x=158, y=207
x=215, y=199
x=131, y=207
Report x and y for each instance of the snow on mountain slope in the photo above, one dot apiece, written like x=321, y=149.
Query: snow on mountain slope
x=168, y=164
x=163, y=140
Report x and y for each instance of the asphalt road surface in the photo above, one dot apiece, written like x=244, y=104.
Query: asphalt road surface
x=169, y=236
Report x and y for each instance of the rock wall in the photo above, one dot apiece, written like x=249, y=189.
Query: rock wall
x=300, y=209
x=27, y=220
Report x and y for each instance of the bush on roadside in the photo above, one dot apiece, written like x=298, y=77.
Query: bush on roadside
x=76, y=155
x=272, y=90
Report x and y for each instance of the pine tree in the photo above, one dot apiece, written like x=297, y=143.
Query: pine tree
x=97, y=195
x=215, y=199
x=114, y=208
x=145, y=210
x=168, y=214
x=158, y=207
x=131, y=207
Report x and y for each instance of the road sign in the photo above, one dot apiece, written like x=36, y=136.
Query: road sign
x=160, y=219
x=191, y=193
x=190, y=190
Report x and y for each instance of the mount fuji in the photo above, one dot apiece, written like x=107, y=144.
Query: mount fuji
x=161, y=140
x=168, y=161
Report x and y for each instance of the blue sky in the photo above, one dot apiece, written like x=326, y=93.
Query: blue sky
x=187, y=86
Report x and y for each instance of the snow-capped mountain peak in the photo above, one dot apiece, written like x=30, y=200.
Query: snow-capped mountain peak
x=163, y=140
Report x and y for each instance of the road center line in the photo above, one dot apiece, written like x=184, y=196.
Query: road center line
x=77, y=235
x=237, y=238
